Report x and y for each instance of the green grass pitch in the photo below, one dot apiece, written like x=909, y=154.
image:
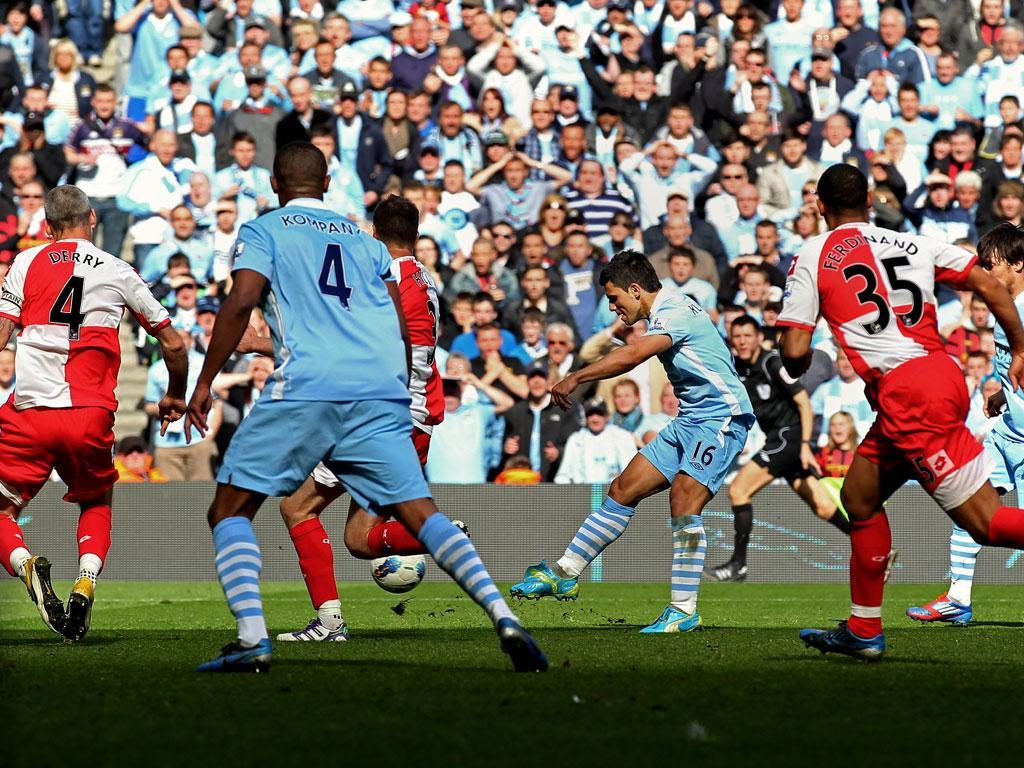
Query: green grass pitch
x=430, y=687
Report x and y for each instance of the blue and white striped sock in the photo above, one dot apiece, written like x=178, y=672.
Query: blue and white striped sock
x=963, y=556
x=689, y=547
x=455, y=554
x=599, y=530
x=238, y=569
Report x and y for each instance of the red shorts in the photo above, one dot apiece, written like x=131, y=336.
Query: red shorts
x=421, y=440
x=922, y=406
x=77, y=442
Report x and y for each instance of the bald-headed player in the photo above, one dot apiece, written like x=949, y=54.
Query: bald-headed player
x=339, y=394
x=395, y=223
x=876, y=290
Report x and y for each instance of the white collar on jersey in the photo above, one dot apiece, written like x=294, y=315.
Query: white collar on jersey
x=306, y=202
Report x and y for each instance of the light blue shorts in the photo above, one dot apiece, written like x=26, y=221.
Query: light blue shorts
x=364, y=443
x=1007, y=451
x=704, y=449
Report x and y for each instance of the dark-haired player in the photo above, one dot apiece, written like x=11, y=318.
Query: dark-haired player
x=784, y=414
x=339, y=394
x=690, y=456
x=1001, y=253
x=876, y=290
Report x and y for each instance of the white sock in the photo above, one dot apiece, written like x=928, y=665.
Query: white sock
x=570, y=566
x=330, y=614
x=960, y=591
x=19, y=557
x=89, y=567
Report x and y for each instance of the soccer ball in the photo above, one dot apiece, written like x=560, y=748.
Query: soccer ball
x=398, y=573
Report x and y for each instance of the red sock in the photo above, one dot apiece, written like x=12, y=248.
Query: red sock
x=393, y=538
x=871, y=542
x=1006, y=528
x=11, y=538
x=94, y=531
x=316, y=560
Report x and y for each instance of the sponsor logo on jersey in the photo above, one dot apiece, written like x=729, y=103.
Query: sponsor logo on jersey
x=940, y=463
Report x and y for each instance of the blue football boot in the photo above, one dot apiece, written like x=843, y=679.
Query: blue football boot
x=541, y=581
x=674, y=620
x=942, y=609
x=842, y=640
x=236, y=657
x=526, y=655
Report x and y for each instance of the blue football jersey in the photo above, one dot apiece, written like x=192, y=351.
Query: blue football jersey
x=332, y=321
x=698, y=363
x=1013, y=416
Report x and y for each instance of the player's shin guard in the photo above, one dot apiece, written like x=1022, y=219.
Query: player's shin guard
x=599, y=530
x=13, y=552
x=455, y=554
x=963, y=556
x=690, y=545
x=393, y=538
x=316, y=560
x=1006, y=528
x=871, y=541
x=94, y=525
x=239, y=564
x=743, y=524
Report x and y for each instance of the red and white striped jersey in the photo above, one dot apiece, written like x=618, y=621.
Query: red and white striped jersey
x=69, y=297
x=420, y=307
x=876, y=290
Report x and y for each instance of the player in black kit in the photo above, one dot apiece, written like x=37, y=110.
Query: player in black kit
x=783, y=411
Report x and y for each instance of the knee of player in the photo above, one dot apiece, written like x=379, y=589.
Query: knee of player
x=291, y=513
x=620, y=491
x=856, y=509
x=738, y=496
x=356, y=543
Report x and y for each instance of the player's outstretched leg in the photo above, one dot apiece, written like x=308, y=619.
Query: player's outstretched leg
x=953, y=606
x=638, y=480
x=301, y=514
x=560, y=581
x=94, y=524
x=239, y=562
x=455, y=555
x=34, y=571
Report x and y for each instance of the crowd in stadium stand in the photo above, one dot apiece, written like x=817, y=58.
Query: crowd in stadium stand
x=537, y=138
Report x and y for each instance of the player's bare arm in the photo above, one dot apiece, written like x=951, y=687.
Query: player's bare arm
x=396, y=298
x=795, y=350
x=999, y=302
x=252, y=342
x=7, y=329
x=172, y=405
x=232, y=320
x=615, y=362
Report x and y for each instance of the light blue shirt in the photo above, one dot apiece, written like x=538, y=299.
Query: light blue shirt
x=253, y=183
x=199, y=252
x=960, y=92
x=332, y=322
x=787, y=44
x=458, y=453
x=698, y=363
x=156, y=387
x=701, y=291
x=1013, y=416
